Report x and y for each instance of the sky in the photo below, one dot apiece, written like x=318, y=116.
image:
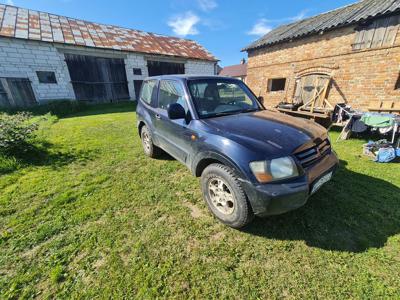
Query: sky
x=223, y=27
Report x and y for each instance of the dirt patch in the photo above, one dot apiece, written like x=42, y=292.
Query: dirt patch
x=217, y=236
x=195, y=212
x=99, y=263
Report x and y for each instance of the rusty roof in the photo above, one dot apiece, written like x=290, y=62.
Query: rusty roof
x=234, y=70
x=351, y=14
x=22, y=23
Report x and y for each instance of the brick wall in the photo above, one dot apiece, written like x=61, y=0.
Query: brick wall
x=358, y=76
x=22, y=58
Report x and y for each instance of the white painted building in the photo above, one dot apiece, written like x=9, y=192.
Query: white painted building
x=47, y=57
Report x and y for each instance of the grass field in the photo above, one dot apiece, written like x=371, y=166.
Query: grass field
x=87, y=215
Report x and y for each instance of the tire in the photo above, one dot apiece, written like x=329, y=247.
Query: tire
x=147, y=143
x=225, y=196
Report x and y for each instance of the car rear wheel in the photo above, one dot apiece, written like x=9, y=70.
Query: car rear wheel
x=225, y=196
x=147, y=143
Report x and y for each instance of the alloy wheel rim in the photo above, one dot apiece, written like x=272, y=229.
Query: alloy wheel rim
x=221, y=196
x=146, y=142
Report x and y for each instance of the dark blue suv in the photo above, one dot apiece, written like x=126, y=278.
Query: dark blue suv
x=252, y=161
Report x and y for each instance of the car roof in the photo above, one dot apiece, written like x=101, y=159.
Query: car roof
x=189, y=77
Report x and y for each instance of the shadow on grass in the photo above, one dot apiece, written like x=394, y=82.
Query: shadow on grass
x=353, y=213
x=108, y=108
x=66, y=108
x=41, y=153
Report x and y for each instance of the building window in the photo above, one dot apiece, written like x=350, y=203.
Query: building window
x=46, y=77
x=276, y=84
x=397, y=87
x=137, y=71
x=379, y=33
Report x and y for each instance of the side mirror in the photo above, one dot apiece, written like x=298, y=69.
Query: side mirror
x=261, y=99
x=176, y=111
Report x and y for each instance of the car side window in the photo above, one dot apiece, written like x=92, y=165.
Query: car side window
x=149, y=90
x=171, y=92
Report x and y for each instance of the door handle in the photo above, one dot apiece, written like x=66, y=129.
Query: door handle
x=158, y=116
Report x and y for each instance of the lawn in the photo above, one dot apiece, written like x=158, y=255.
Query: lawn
x=87, y=215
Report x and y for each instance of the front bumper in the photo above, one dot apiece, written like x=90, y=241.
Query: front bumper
x=278, y=198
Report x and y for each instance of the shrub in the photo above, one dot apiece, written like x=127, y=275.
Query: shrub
x=16, y=131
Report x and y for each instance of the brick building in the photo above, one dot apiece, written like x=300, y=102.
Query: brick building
x=355, y=50
x=46, y=57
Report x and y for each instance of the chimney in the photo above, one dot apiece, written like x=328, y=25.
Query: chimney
x=242, y=61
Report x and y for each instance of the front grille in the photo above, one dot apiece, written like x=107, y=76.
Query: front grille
x=314, y=154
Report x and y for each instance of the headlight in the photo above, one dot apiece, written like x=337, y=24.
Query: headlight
x=271, y=170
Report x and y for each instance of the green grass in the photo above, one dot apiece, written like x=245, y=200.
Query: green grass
x=87, y=215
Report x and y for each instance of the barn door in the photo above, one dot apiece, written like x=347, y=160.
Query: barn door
x=97, y=79
x=16, y=92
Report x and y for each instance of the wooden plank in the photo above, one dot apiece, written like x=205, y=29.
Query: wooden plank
x=380, y=31
x=304, y=113
x=369, y=36
x=359, y=40
x=391, y=32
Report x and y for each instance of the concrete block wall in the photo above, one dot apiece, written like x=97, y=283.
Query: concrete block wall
x=198, y=67
x=359, y=77
x=21, y=58
x=132, y=61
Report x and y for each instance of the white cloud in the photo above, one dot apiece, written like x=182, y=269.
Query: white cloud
x=207, y=5
x=300, y=16
x=10, y=2
x=184, y=24
x=260, y=28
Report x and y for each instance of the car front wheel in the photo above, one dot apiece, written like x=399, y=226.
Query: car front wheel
x=225, y=196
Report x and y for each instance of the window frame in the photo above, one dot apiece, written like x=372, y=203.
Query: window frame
x=270, y=84
x=45, y=73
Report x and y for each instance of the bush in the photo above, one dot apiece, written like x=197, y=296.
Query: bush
x=16, y=131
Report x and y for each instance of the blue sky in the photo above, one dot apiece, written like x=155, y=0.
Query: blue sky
x=222, y=26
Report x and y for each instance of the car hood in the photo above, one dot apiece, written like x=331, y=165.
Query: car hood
x=274, y=132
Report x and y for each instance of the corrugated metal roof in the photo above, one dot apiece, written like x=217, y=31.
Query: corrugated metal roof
x=344, y=16
x=29, y=24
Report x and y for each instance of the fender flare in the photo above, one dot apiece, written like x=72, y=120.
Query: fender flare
x=196, y=167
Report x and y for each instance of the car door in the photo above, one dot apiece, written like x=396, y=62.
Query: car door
x=174, y=135
x=148, y=110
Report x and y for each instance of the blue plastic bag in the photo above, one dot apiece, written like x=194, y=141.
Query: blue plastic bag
x=385, y=155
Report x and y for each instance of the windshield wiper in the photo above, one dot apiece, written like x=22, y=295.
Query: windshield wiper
x=249, y=110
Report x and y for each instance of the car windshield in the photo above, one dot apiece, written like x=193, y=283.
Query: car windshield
x=219, y=97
